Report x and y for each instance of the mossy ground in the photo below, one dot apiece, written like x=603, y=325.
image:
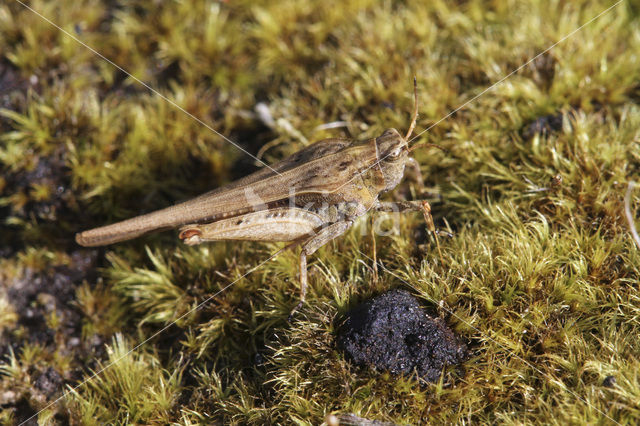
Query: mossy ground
x=540, y=277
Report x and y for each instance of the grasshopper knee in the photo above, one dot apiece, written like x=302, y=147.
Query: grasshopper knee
x=190, y=236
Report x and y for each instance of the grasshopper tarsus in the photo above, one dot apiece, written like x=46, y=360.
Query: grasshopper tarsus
x=294, y=310
x=445, y=233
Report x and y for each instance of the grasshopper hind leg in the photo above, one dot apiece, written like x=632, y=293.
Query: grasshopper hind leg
x=309, y=247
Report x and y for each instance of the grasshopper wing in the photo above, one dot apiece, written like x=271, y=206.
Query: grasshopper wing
x=304, y=171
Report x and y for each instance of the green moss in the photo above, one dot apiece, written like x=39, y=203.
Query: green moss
x=130, y=387
x=540, y=276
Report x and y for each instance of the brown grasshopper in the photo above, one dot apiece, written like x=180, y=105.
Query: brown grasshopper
x=307, y=199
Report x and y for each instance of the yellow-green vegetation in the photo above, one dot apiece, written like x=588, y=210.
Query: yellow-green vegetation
x=539, y=278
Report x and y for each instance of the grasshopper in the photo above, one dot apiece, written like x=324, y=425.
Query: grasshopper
x=307, y=199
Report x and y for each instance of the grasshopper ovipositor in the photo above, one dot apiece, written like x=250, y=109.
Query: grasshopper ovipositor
x=307, y=199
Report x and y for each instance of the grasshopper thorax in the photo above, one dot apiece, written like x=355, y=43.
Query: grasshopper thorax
x=391, y=152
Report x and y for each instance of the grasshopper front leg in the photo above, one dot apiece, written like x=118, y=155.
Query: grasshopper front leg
x=418, y=205
x=412, y=166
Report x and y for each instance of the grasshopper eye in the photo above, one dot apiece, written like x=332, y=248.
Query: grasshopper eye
x=395, y=153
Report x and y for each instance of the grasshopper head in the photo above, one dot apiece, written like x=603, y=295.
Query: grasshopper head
x=392, y=151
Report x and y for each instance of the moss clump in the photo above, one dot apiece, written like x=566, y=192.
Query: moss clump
x=539, y=278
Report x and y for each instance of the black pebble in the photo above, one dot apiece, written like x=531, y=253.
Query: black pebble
x=392, y=332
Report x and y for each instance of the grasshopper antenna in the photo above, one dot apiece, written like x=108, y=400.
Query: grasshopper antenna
x=428, y=144
x=415, y=119
x=415, y=108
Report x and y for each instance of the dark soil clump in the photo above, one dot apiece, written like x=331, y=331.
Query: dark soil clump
x=392, y=332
